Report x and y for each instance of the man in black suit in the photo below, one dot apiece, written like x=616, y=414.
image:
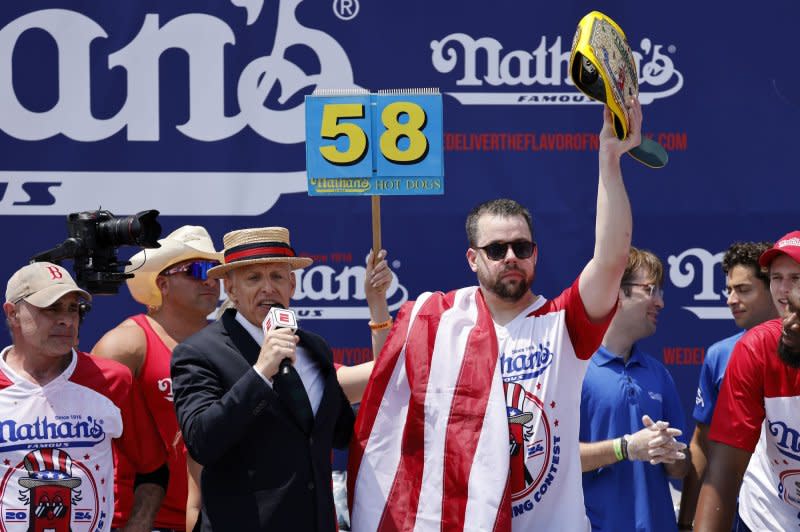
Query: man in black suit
x=264, y=439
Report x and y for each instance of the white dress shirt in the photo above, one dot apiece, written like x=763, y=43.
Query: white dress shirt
x=305, y=365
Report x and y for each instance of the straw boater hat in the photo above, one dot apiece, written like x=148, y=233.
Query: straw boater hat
x=256, y=246
x=186, y=242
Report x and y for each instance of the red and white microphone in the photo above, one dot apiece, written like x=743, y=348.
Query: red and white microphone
x=279, y=317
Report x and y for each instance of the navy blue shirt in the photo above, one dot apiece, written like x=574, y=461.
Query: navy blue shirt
x=627, y=496
x=711, y=374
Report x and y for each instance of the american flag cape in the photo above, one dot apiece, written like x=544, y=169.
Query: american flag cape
x=431, y=444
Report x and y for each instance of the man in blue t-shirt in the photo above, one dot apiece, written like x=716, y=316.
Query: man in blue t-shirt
x=624, y=390
x=751, y=303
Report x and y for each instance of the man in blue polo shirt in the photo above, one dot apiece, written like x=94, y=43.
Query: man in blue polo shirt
x=624, y=390
x=751, y=303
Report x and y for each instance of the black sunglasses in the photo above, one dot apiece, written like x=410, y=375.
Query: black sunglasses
x=523, y=249
x=197, y=269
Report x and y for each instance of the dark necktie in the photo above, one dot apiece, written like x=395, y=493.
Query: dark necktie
x=290, y=389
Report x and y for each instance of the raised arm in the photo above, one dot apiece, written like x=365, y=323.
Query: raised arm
x=599, y=282
x=377, y=279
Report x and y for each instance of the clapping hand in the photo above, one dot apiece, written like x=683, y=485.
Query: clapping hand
x=656, y=443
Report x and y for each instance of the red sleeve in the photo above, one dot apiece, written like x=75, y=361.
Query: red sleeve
x=584, y=333
x=740, y=412
x=140, y=441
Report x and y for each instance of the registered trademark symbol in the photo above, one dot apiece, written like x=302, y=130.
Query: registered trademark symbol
x=346, y=9
x=395, y=264
x=671, y=48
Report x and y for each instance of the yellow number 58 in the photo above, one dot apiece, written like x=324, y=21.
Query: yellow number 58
x=334, y=125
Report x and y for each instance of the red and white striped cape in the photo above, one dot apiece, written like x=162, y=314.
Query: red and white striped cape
x=431, y=445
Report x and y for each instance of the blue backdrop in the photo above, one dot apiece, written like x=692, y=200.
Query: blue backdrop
x=196, y=109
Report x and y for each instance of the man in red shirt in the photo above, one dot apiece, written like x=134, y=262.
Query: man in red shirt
x=61, y=411
x=172, y=282
x=755, y=431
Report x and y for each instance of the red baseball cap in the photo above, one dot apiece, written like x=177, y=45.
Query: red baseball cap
x=788, y=244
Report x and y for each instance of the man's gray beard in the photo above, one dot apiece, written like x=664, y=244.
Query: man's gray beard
x=788, y=355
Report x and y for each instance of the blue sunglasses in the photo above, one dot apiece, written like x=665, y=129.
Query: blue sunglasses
x=197, y=269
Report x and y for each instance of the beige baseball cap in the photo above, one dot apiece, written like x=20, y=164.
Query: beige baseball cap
x=41, y=284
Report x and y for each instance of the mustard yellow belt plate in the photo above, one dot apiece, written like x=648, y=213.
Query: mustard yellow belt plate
x=602, y=66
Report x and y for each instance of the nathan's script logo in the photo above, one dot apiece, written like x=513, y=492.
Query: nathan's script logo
x=698, y=269
x=225, y=96
x=484, y=62
x=787, y=439
x=526, y=362
x=68, y=431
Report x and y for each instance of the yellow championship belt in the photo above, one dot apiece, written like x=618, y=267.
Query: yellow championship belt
x=602, y=66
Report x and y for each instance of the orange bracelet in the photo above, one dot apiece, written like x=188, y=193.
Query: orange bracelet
x=381, y=326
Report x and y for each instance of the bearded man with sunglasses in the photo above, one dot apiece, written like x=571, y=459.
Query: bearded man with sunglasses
x=172, y=282
x=470, y=415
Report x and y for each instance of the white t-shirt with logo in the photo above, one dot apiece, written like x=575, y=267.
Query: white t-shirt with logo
x=544, y=354
x=760, y=402
x=56, y=460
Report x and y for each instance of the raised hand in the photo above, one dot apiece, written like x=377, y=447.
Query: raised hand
x=610, y=145
x=378, y=276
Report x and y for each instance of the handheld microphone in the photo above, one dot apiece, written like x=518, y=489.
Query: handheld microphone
x=280, y=317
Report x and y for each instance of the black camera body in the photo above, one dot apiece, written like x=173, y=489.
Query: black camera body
x=94, y=237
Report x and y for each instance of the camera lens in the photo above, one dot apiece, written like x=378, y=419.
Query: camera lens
x=141, y=229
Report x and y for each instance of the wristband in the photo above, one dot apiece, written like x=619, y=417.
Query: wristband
x=381, y=326
x=624, y=445
x=618, y=449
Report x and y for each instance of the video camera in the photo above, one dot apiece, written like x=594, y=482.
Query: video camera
x=94, y=237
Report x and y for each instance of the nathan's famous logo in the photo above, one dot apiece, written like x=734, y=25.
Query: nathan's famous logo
x=534, y=450
x=68, y=431
x=50, y=498
x=700, y=269
x=225, y=96
x=787, y=442
x=484, y=63
x=526, y=362
x=787, y=439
